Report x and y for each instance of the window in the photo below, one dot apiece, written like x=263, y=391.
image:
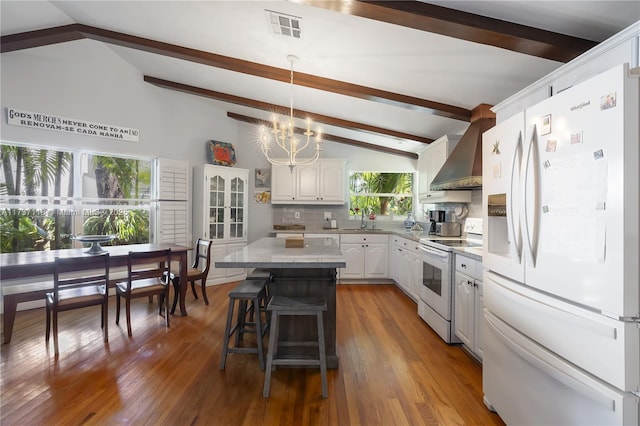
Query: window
x=382, y=194
x=48, y=195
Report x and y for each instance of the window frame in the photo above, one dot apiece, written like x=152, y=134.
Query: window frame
x=389, y=217
x=78, y=206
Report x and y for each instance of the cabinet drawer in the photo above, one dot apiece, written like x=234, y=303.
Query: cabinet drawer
x=471, y=267
x=407, y=244
x=363, y=238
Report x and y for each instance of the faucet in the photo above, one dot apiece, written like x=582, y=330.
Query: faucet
x=363, y=223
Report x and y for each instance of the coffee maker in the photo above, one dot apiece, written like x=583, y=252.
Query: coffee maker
x=435, y=216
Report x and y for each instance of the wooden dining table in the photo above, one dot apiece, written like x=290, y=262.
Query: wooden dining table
x=39, y=266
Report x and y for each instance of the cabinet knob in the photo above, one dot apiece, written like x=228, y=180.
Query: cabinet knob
x=462, y=265
x=469, y=282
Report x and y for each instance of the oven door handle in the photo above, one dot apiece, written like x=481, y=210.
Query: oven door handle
x=434, y=252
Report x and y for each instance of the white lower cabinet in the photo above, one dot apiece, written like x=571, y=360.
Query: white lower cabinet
x=366, y=256
x=469, y=303
x=225, y=275
x=404, y=263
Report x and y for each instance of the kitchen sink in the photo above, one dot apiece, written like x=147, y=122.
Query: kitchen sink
x=361, y=230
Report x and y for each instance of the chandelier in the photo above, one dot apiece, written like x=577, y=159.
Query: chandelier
x=289, y=138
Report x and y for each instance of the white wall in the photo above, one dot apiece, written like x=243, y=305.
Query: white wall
x=81, y=84
x=85, y=80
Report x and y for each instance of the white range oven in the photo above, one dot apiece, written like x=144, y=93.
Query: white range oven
x=436, y=301
x=435, y=305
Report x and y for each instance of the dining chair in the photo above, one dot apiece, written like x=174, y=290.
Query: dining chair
x=198, y=271
x=147, y=277
x=78, y=282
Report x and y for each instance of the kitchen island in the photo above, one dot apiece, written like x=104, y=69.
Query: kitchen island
x=298, y=272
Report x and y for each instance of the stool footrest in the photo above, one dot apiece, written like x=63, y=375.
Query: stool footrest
x=297, y=305
x=237, y=350
x=295, y=344
x=297, y=362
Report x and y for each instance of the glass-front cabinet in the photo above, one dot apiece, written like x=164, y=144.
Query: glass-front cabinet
x=227, y=204
x=220, y=214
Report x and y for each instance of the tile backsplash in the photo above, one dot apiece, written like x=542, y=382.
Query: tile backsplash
x=310, y=216
x=313, y=216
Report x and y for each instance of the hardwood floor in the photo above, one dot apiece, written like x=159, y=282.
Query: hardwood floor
x=394, y=370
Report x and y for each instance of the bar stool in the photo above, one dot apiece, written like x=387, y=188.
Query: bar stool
x=260, y=274
x=247, y=291
x=296, y=306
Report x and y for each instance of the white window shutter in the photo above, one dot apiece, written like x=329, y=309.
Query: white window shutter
x=173, y=180
x=173, y=222
x=173, y=218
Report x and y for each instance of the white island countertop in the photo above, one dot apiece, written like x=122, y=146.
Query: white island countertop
x=270, y=252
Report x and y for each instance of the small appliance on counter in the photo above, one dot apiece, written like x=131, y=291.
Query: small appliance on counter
x=435, y=216
x=448, y=229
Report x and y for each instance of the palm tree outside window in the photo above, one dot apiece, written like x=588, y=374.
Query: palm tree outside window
x=382, y=194
x=48, y=194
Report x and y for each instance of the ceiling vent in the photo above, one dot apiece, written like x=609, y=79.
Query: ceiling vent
x=285, y=25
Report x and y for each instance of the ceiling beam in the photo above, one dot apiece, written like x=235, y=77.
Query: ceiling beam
x=13, y=42
x=327, y=137
x=463, y=25
x=282, y=110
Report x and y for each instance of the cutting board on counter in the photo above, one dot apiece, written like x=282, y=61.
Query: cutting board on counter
x=293, y=227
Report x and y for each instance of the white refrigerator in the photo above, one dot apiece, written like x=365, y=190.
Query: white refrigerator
x=561, y=255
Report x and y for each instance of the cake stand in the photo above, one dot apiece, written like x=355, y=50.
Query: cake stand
x=95, y=241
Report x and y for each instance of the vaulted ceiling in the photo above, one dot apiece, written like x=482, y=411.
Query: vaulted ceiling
x=385, y=75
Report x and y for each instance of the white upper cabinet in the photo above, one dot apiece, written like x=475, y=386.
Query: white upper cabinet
x=430, y=162
x=283, y=184
x=320, y=183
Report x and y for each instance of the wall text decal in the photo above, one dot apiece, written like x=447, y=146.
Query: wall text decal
x=38, y=120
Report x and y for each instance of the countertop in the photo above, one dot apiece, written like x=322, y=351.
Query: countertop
x=270, y=252
x=472, y=252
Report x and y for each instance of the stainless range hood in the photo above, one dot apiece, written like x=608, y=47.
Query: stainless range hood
x=463, y=168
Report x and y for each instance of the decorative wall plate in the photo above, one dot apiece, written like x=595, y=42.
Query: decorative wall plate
x=221, y=153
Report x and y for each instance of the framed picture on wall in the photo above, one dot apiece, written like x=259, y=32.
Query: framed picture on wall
x=262, y=197
x=263, y=178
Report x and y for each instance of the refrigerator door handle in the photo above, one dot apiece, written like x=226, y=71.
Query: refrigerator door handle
x=596, y=395
x=531, y=230
x=517, y=236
